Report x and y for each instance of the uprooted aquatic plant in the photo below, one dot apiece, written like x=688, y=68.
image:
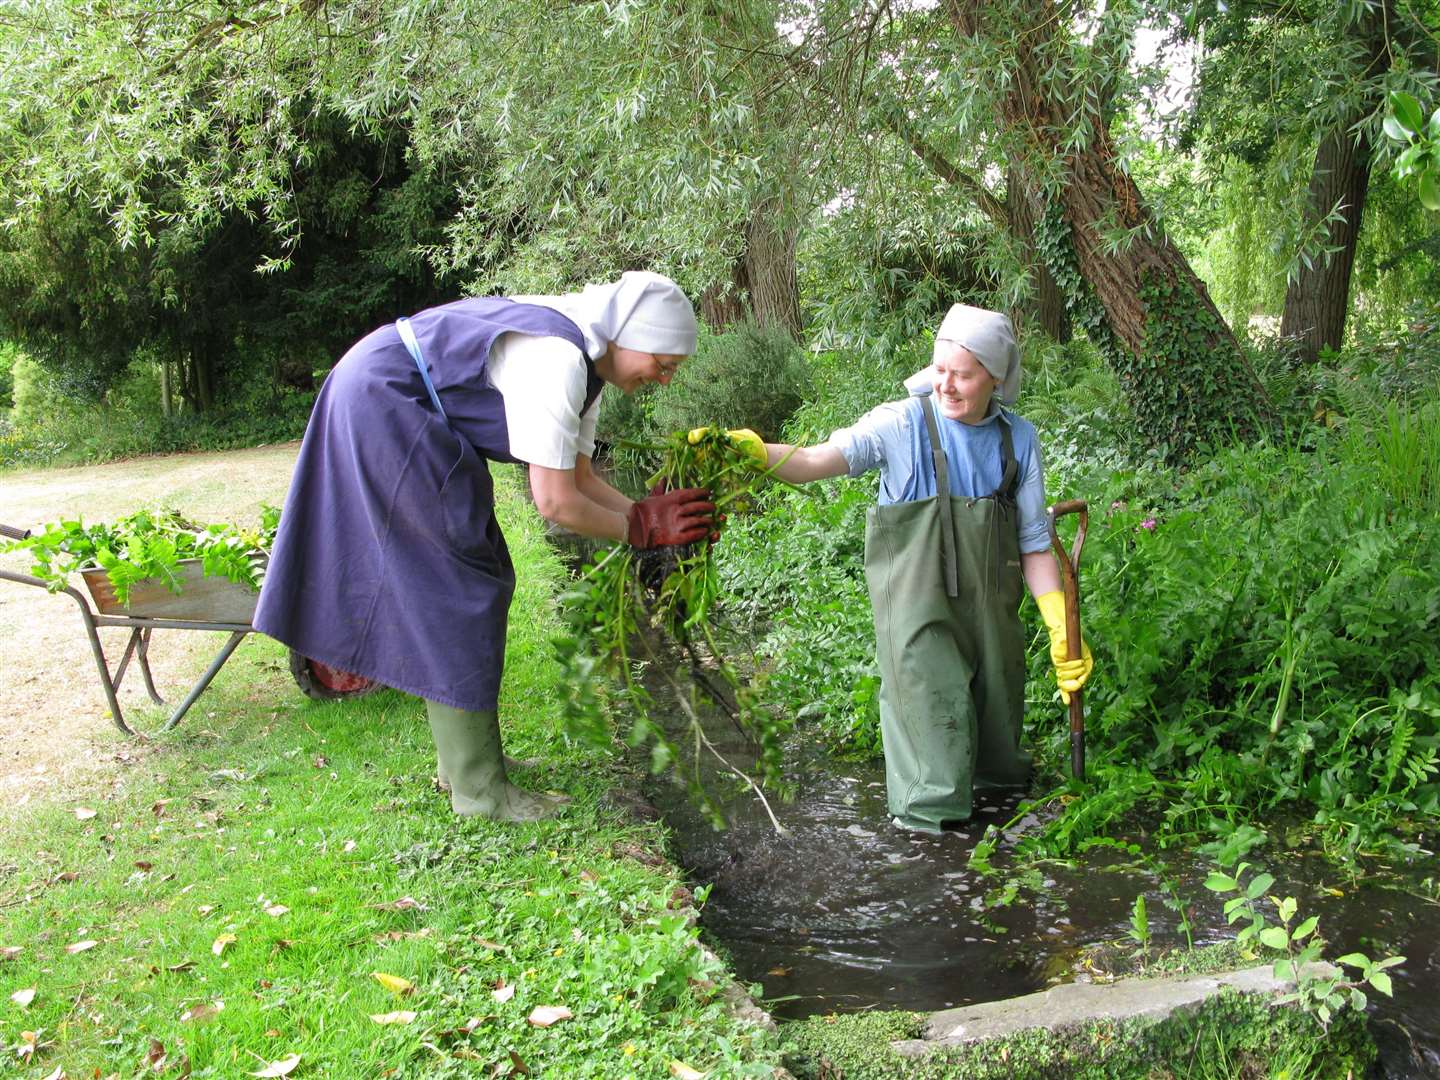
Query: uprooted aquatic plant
x=631, y=614
x=149, y=545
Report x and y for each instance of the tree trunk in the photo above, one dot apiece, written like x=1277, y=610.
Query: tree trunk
x=1046, y=306
x=167, y=405
x=1318, y=297
x=762, y=281
x=1183, y=373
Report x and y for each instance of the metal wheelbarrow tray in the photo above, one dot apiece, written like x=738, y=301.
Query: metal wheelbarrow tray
x=203, y=603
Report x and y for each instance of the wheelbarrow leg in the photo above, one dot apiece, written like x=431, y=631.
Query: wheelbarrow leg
x=139, y=647
x=116, y=717
x=144, y=655
x=199, y=688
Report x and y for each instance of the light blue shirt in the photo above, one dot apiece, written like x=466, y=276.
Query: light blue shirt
x=892, y=438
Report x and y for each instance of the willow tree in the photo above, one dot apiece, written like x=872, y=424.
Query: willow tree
x=1307, y=119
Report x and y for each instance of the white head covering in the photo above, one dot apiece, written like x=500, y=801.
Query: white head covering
x=990, y=337
x=641, y=311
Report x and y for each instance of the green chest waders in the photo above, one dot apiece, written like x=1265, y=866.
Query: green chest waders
x=945, y=585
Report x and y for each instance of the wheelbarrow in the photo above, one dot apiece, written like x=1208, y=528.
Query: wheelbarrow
x=203, y=603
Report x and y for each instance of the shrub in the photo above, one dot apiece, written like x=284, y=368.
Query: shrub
x=751, y=376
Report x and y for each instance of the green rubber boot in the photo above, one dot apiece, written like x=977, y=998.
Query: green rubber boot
x=467, y=745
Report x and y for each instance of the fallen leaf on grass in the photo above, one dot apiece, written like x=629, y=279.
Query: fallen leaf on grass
x=681, y=1071
x=350, y=846
x=158, y=807
x=204, y=1011
x=405, y=903
x=221, y=943
x=25, y=1048
x=184, y=965
x=542, y=1016
x=9, y=952
x=276, y=910
x=145, y=866
x=519, y=1068
x=284, y=1067
x=503, y=993
x=23, y=997
x=58, y=1074
x=68, y=875
x=81, y=946
x=84, y=813
x=155, y=1056
x=402, y=935
x=404, y=1016
x=394, y=983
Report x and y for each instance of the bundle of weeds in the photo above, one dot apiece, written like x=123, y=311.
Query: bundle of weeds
x=632, y=614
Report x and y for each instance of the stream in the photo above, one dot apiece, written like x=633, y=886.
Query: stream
x=845, y=912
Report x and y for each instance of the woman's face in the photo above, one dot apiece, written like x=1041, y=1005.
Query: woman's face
x=630, y=369
x=962, y=385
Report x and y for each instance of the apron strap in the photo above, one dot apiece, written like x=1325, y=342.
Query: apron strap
x=942, y=498
x=407, y=335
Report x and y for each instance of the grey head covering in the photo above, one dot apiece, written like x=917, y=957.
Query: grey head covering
x=989, y=337
x=641, y=311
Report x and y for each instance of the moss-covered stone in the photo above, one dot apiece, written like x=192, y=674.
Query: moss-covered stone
x=1231, y=1035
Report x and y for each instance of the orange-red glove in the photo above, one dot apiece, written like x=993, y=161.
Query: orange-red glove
x=682, y=516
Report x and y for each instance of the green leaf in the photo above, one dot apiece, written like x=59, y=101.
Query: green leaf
x=1357, y=999
x=1389, y=961
x=1259, y=885
x=1306, y=928
x=1354, y=959
x=1381, y=981
x=1434, y=128
x=1282, y=970
x=1287, y=909
x=1430, y=190
x=1394, y=130
x=1218, y=882
x=1407, y=110
x=1275, y=937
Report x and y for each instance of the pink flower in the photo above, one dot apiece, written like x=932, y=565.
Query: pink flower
x=1148, y=524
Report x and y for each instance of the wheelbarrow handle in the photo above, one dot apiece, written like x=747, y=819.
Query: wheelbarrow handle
x=1070, y=577
x=12, y=533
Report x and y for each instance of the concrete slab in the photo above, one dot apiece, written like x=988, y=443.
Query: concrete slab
x=1071, y=1005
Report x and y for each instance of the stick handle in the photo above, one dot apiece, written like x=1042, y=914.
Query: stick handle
x=1070, y=578
x=12, y=533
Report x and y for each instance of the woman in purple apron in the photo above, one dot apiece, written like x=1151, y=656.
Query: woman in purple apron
x=389, y=562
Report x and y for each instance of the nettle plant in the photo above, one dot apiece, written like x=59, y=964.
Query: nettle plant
x=1321, y=991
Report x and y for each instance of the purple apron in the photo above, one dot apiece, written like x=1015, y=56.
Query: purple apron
x=389, y=562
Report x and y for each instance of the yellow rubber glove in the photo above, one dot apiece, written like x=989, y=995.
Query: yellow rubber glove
x=1070, y=675
x=742, y=439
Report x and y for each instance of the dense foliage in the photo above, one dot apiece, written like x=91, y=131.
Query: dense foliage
x=1266, y=623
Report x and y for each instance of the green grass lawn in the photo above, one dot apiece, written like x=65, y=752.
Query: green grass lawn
x=228, y=907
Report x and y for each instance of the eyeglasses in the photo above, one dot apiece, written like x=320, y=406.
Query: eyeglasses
x=668, y=368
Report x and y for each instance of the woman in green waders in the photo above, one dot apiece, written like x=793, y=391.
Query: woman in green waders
x=945, y=551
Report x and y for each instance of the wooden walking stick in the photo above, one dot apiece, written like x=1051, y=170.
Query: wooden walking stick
x=1070, y=576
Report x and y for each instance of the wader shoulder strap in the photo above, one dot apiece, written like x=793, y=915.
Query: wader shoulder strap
x=407, y=335
x=942, y=497
x=1010, y=469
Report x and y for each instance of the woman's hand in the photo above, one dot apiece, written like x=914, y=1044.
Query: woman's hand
x=682, y=516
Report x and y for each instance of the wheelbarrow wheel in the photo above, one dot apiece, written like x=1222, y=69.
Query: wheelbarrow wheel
x=325, y=683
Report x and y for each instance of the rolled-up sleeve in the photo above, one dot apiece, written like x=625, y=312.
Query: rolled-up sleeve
x=877, y=437
x=1034, y=523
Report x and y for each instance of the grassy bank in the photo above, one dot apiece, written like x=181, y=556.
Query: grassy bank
x=228, y=906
